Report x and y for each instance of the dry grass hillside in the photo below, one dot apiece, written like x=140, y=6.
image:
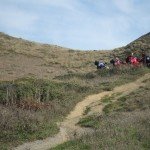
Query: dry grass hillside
x=142, y=44
x=40, y=84
x=124, y=123
x=21, y=58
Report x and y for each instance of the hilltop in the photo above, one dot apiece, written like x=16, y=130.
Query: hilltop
x=141, y=44
x=137, y=46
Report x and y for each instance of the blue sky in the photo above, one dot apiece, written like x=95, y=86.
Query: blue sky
x=77, y=24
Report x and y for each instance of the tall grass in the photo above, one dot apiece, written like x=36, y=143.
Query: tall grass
x=127, y=128
x=31, y=107
x=116, y=131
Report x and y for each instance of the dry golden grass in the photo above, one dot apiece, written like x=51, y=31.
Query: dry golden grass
x=21, y=58
x=73, y=71
x=126, y=126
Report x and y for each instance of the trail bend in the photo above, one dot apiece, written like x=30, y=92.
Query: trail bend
x=68, y=128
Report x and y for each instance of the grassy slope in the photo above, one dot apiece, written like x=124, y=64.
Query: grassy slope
x=19, y=125
x=125, y=125
x=137, y=47
x=120, y=128
x=48, y=61
x=43, y=60
x=71, y=72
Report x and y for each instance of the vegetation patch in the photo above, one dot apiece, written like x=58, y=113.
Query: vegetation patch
x=137, y=100
x=75, y=145
x=87, y=110
x=89, y=121
x=30, y=108
x=106, y=99
x=125, y=124
x=33, y=106
x=129, y=130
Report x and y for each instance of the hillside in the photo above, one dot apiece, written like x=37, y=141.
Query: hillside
x=141, y=44
x=137, y=46
x=21, y=58
x=69, y=129
x=41, y=84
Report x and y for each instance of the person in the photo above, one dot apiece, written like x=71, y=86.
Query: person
x=143, y=60
x=117, y=61
x=101, y=65
x=128, y=59
x=132, y=59
x=112, y=62
x=147, y=61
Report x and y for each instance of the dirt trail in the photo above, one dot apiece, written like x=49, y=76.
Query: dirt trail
x=69, y=129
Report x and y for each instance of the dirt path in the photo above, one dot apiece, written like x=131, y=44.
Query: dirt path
x=69, y=129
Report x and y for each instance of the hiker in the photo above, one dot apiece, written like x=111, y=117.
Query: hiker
x=143, y=58
x=100, y=64
x=132, y=59
x=112, y=62
x=128, y=59
x=116, y=61
x=147, y=61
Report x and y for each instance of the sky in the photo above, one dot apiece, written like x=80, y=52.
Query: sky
x=76, y=24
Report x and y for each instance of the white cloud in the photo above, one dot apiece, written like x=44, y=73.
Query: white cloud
x=125, y=6
x=66, y=4
x=14, y=18
x=19, y=21
x=81, y=24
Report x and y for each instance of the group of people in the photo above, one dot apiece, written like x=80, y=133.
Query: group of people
x=130, y=59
